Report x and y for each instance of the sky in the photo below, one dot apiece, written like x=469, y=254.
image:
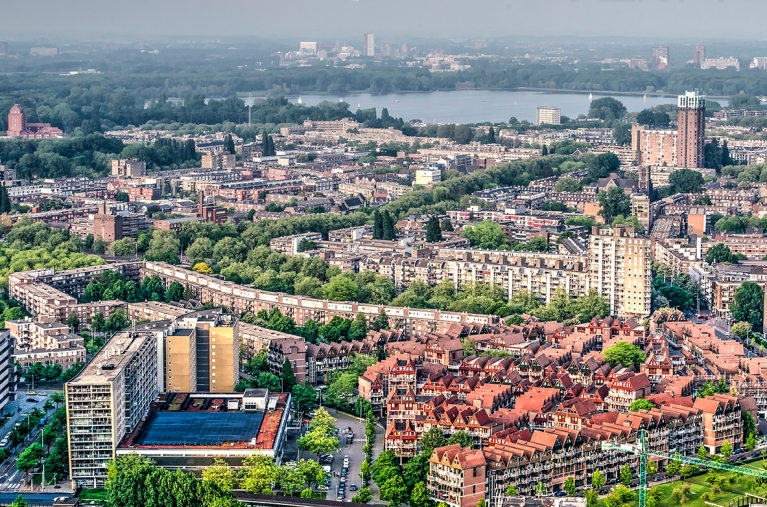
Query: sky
x=136, y=20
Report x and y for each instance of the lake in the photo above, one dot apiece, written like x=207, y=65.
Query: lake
x=475, y=106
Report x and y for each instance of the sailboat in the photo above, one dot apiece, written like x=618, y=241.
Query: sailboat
x=645, y=97
x=591, y=97
x=299, y=100
x=358, y=105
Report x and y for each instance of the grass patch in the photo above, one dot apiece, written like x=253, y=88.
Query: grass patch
x=96, y=494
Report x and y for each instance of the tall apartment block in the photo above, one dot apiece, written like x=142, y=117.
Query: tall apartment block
x=219, y=161
x=548, y=115
x=620, y=268
x=699, y=56
x=691, y=130
x=201, y=353
x=654, y=147
x=129, y=168
x=660, y=57
x=107, y=399
x=368, y=45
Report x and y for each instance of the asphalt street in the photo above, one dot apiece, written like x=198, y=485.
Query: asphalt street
x=12, y=479
x=354, y=451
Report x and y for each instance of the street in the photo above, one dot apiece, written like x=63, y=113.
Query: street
x=12, y=479
x=356, y=456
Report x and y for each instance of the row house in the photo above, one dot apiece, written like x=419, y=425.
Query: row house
x=457, y=476
x=324, y=358
x=583, y=370
x=443, y=351
x=626, y=389
x=449, y=385
x=396, y=373
x=658, y=363
x=610, y=327
x=290, y=349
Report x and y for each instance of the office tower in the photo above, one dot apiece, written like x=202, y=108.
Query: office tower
x=548, y=115
x=660, y=57
x=3, y=48
x=691, y=130
x=699, y=56
x=405, y=50
x=368, y=45
x=107, y=400
x=620, y=268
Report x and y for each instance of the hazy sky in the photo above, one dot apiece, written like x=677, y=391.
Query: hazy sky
x=330, y=19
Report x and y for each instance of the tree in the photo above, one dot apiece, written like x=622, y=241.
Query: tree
x=486, y=235
x=420, y=495
x=363, y=496
x=307, y=493
x=229, y=144
x=511, y=490
x=726, y=449
x=260, y=474
x=100, y=246
x=674, y=467
x=288, y=377
x=749, y=304
x=394, y=491
x=462, y=438
x=626, y=475
x=622, y=134
x=269, y=381
x=377, y=225
x=381, y=322
x=433, y=230
x=641, y=404
x=614, y=202
x=569, y=486
x=592, y=497
x=431, y=440
x=750, y=442
x=625, y=354
x=304, y=397
x=720, y=253
x=5, y=200
x=73, y=322
x=359, y=328
x=30, y=457
x=568, y=184
x=447, y=225
x=685, y=181
x=389, y=231
x=200, y=249
x=702, y=454
x=221, y=475
x=306, y=246
x=544, y=151
x=742, y=330
x=598, y=480
x=749, y=425
x=481, y=503
x=341, y=288
x=202, y=268
x=19, y=502
x=175, y=292
x=606, y=108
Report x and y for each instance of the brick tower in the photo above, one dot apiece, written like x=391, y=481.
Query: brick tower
x=691, y=130
x=17, y=121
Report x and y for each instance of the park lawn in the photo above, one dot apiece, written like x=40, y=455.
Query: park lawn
x=698, y=486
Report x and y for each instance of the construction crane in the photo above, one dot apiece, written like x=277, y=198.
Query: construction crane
x=640, y=449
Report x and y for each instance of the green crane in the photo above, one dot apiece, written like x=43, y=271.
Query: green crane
x=640, y=449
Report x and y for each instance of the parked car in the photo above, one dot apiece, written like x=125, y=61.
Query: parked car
x=344, y=472
x=31, y=393
x=560, y=493
x=352, y=487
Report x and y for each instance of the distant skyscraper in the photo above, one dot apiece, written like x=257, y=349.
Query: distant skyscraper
x=368, y=45
x=404, y=50
x=386, y=50
x=700, y=55
x=660, y=57
x=308, y=47
x=3, y=48
x=691, y=131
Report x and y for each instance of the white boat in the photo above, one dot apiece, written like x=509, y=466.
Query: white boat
x=299, y=101
x=591, y=97
x=645, y=97
x=358, y=105
x=397, y=100
x=340, y=99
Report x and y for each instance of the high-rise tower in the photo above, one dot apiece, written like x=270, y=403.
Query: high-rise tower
x=691, y=130
x=699, y=56
x=368, y=45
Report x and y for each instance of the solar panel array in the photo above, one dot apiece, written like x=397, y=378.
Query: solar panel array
x=201, y=428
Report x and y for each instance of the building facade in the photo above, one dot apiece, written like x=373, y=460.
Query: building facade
x=691, y=130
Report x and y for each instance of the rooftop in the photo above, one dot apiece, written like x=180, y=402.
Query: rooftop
x=107, y=364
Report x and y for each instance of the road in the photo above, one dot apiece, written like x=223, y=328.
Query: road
x=11, y=478
x=33, y=498
x=356, y=456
